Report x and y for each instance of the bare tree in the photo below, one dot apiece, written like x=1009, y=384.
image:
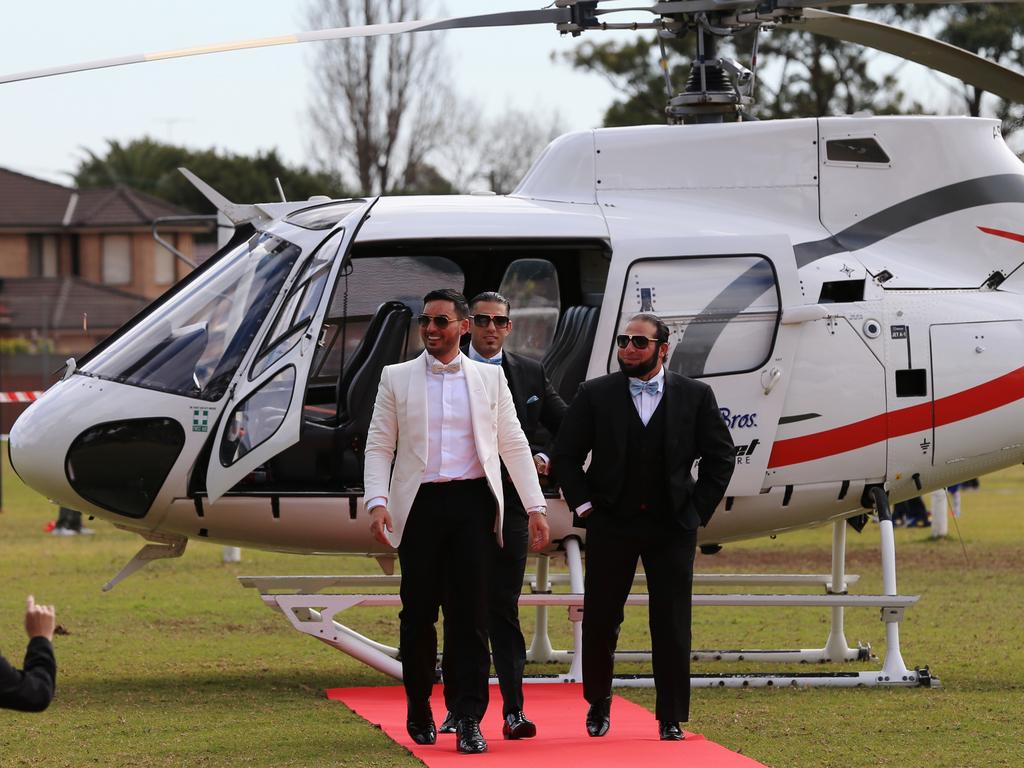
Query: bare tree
x=379, y=102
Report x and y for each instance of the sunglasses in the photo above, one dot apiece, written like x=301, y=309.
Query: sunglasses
x=440, y=321
x=482, y=321
x=640, y=342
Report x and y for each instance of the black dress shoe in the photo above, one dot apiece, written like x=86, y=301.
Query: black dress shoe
x=420, y=725
x=516, y=726
x=669, y=731
x=469, y=739
x=448, y=724
x=599, y=718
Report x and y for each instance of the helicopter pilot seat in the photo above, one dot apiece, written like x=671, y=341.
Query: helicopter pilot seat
x=329, y=455
x=569, y=355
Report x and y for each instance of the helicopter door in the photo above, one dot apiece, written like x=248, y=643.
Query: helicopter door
x=723, y=301
x=263, y=413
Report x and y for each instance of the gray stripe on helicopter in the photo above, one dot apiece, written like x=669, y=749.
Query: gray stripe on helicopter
x=691, y=354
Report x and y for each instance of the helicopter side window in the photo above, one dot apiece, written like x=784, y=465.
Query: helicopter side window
x=866, y=150
x=192, y=342
x=257, y=417
x=297, y=311
x=531, y=286
x=722, y=311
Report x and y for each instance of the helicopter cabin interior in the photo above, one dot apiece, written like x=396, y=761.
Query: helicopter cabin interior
x=555, y=289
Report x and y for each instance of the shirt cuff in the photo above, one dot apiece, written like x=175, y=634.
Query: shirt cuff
x=376, y=501
x=544, y=457
x=584, y=509
x=541, y=510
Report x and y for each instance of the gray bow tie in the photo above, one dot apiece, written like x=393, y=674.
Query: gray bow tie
x=636, y=387
x=454, y=366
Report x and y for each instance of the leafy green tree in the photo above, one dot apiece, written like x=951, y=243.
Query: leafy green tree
x=152, y=166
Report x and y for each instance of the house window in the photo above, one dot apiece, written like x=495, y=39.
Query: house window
x=117, y=259
x=42, y=255
x=163, y=267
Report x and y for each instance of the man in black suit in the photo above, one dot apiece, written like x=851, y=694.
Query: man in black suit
x=537, y=405
x=31, y=689
x=644, y=428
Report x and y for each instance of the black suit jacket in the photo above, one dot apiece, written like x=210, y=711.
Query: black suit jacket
x=31, y=689
x=597, y=423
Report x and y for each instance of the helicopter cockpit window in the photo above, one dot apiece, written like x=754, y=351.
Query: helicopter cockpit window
x=297, y=311
x=324, y=216
x=722, y=311
x=531, y=286
x=192, y=343
x=865, y=150
x=257, y=418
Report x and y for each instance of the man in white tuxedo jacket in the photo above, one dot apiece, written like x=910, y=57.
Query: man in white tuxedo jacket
x=447, y=423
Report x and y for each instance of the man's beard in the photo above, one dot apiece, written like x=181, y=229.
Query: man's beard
x=641, y=369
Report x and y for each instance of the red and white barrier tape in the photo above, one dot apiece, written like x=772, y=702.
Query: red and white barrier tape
x=20, y=397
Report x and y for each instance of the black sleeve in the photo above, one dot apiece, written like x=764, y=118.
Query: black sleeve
x=553, y=411
x=31, y=689
x=717, y=458
x=575, y=440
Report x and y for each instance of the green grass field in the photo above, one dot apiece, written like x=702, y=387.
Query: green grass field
x=179, y=665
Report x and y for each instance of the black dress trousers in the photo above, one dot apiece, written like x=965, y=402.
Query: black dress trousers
x=447, y=540
x=667, y=555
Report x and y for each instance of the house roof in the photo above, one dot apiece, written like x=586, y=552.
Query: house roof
x=27, y=202
x=58, y=303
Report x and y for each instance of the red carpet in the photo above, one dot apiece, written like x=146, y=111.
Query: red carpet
x=559, y=711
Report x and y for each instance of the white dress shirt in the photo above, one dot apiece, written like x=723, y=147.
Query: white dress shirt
x=646, y=404
x=451, y=446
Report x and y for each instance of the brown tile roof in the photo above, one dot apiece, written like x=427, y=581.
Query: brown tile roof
x=29, y=202
x=57, y=303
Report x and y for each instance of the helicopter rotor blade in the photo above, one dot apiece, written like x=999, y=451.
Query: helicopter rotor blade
x=508, y=19
x=935, y=54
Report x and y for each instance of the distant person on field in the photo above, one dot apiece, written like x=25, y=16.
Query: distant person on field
x=31, y=689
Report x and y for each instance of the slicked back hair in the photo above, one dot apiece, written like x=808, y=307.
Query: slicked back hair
x=491, y=296
x=661, y=329
x=449, y=294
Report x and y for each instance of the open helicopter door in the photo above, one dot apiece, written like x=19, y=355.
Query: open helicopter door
x=723, y=299
x=263, y=411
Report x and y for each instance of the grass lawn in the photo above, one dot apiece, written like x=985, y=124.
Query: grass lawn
x=179, y=665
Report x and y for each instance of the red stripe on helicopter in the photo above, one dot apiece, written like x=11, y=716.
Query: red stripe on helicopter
x=946, y=410
x=1003, y=233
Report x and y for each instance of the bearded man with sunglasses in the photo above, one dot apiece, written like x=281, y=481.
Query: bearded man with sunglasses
x=447, y=424
x=644, y=427
x=540, y=410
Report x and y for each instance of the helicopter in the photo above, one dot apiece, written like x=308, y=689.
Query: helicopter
x=849, y=286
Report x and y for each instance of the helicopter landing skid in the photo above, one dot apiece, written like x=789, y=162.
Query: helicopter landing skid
x=313, y=612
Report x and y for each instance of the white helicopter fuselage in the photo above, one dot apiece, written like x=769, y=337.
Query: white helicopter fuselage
x=849, y=287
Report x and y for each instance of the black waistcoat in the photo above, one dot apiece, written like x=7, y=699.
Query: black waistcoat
x=644, y=501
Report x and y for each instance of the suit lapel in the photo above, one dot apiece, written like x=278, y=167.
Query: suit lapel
x=514, y=373
x=479, y=408
x=671, y=401
x=416, y=406
x=622, y=410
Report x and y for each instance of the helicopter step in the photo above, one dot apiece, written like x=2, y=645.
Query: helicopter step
x=313, y=613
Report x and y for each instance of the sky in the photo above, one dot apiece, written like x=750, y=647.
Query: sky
x=241, y=101
x=252, y=100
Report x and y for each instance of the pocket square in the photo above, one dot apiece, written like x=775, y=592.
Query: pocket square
x=533, y=399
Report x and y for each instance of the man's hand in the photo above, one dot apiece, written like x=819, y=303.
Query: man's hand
x=542, y=466
x=540, y=534
x=40, y=620
x=380, y=521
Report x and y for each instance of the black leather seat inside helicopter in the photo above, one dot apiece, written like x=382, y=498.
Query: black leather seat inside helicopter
x=567, y=359
x=329, y=455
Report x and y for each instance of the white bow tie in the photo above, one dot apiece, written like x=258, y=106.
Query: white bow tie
x=436, y=366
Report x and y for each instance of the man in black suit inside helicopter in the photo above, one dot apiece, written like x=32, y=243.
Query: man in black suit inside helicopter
x=644, y=427
x=537, y=405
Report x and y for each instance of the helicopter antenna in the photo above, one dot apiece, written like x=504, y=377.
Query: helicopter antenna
x=235, y=213
x=280, y=189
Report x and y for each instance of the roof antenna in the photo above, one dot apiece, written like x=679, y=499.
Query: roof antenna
x=280, y=189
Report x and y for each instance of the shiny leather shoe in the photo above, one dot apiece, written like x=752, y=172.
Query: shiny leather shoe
x=469, y=740
x=669, y=731
x=516, y=726
x=599, y=718
x=448, y=724
x=420, y=725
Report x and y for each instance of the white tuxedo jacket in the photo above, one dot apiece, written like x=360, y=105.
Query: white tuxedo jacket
x=398, y=433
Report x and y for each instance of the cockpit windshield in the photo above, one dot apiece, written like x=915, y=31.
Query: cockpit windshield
x=193, y=342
